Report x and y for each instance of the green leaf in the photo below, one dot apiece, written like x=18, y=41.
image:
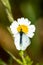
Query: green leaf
x=2, y=62
x=28, y=60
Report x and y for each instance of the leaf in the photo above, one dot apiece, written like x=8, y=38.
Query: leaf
x=2, y=62
x=29, y=62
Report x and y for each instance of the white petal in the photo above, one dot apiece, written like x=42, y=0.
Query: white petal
x=13, y=27
x=23, y=21
x=25, y=42
x=32, y=28
x=31, y=31
x=28, y=22
x=30, y=35
x=17, y=41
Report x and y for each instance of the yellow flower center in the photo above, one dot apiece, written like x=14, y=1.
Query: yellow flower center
x=24, y=28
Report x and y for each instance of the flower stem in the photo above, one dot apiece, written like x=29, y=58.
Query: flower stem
x=17, y=60
x=23, y=58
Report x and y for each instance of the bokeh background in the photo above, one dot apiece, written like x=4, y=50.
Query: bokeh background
x=31, y=9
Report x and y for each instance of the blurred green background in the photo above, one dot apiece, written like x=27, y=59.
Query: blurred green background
x=11, y=10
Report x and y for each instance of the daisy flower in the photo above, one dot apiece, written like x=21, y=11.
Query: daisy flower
x=22, y=30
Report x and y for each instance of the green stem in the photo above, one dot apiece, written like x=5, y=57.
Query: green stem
x=8, y=9
x=17, y=60
x=23, y=58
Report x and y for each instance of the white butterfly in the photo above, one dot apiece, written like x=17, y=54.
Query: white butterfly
x=25, y=42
